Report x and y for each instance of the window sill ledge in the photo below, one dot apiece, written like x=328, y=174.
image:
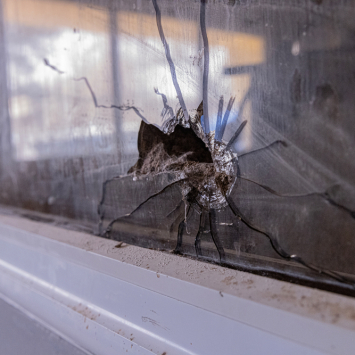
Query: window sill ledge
x=110, y=300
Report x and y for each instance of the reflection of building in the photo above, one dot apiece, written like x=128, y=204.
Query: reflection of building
x=61, y=109
x=47, y=106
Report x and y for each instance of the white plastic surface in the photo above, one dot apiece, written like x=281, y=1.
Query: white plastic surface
x=107, y=306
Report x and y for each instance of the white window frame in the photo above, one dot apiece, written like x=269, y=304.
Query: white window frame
x=115, y=300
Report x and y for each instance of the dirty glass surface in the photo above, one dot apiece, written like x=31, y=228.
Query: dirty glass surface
x=222, y=130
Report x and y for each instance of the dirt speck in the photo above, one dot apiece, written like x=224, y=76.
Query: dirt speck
x=248, y=281
x=229, y=280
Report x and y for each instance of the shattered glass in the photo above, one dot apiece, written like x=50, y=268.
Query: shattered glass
x=220, y=130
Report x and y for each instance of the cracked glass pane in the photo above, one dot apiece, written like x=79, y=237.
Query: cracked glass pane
x=219, y=130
